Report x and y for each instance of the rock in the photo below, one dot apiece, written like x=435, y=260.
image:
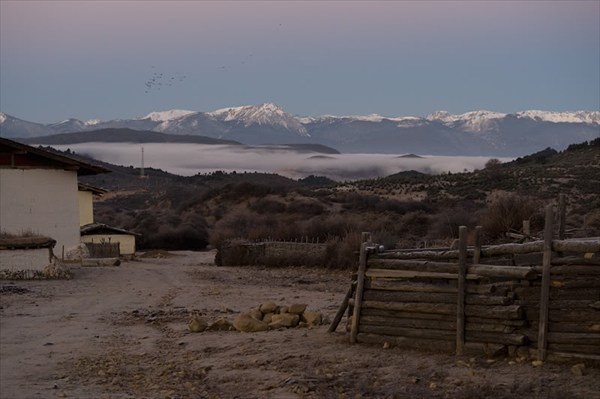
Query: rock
x=283, y=309
x=220, y=325
x=297, y=308
x=311, y=318
x=284, y=320
x=269, y=307
x=386, y=345
x=197, y=324
x=495, y=350
x=246, y=323
x=578, y=369
x=537, y=363
x=268, y=317
x=256, y=314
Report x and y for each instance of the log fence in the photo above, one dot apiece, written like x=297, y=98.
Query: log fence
x=536, y=298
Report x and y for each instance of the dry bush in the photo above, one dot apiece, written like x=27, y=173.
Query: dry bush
x=446, y=223
x=506, y=211
x=342, y=253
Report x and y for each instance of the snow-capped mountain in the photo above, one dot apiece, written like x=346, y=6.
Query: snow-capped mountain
x=267, y=114
x=167, y=115
x=485, y=133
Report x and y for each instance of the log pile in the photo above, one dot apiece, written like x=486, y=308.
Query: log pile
x=418, y=299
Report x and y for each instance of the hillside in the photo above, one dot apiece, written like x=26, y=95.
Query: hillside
x=122, y=135
x=408, y=208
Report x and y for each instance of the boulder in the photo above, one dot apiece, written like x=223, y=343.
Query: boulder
x=297, y=308
x=246, y=323
x=256, y=314
x=311, y=318
x=284, y=320
x=269, y=307
x=268, y=317
x=197, y=324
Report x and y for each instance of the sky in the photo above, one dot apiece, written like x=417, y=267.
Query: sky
x=121, y=59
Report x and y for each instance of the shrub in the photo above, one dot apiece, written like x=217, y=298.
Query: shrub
x=506, y=211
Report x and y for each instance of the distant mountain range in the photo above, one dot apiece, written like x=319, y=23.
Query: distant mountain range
x=482, y=133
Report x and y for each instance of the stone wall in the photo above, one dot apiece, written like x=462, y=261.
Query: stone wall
x=271, y=253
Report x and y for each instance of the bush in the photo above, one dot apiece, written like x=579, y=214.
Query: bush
x=506, y=211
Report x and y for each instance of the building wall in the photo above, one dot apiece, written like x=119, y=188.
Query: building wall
x=24, y=259
x=126, y=241
x=41, y=201
x=86, y=208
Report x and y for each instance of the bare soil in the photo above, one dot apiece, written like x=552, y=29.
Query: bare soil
x=121, y=332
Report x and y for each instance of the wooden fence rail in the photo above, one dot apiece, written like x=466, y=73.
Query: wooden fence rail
x=466, y=299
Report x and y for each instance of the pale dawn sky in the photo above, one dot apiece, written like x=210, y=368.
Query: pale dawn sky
x=120, y=59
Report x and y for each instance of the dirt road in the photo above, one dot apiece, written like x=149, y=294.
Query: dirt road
x=121, y=332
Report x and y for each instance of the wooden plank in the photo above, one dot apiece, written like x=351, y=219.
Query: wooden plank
x=511, y=249
x=402, y=268
x=386, y=273
x=570, y=338
x=414, y=265
x=400, y=284
x=509, y=312
x=360, y=282
x=342, y=309
x=512, y=272
x=575, y=348
x=460, y=300
x=545, y=290
x=410, y=343
x=589, y=245
x=408, y=315
x=562, y=215
x=477, y=249
x=576, y=260
x=447, y=335
x=400, y=296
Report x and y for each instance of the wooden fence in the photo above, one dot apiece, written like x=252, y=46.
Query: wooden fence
x=103, y=249
x=541, y=297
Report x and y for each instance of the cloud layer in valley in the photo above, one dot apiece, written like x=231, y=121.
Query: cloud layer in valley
x=192, y=159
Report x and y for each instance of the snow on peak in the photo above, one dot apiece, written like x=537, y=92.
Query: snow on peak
x=2, y=117
x=163, y=116
x=474, y=121
x=263, y=114
x=592, y=117
x=92, y=122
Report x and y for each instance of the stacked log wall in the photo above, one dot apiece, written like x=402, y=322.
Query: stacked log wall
x=410, y=299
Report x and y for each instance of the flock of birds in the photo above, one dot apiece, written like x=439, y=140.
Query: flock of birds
x=159, y=80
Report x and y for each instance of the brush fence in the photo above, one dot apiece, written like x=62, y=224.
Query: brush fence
x=541, y=297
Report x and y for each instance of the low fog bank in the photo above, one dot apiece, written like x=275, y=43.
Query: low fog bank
x=191, y=159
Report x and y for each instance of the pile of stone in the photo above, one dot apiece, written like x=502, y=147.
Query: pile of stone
x=268, y=316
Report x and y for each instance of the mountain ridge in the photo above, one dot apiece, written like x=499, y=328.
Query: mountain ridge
x=482, y=132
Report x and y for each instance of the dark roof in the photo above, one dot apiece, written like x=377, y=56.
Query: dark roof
x=18, y=156
x=94, y=190
x=8, y=241
x=100, y=228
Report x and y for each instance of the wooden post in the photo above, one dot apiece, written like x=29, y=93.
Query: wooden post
x=477, y=251
x=526, y=229
x=342, y=309
x=545, y=293
x=562, y=216
x=360, y=283
x=460, y=303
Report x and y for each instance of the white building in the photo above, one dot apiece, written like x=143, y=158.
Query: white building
x=39, y=193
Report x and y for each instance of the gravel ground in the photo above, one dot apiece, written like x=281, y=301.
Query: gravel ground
x=121, y=332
